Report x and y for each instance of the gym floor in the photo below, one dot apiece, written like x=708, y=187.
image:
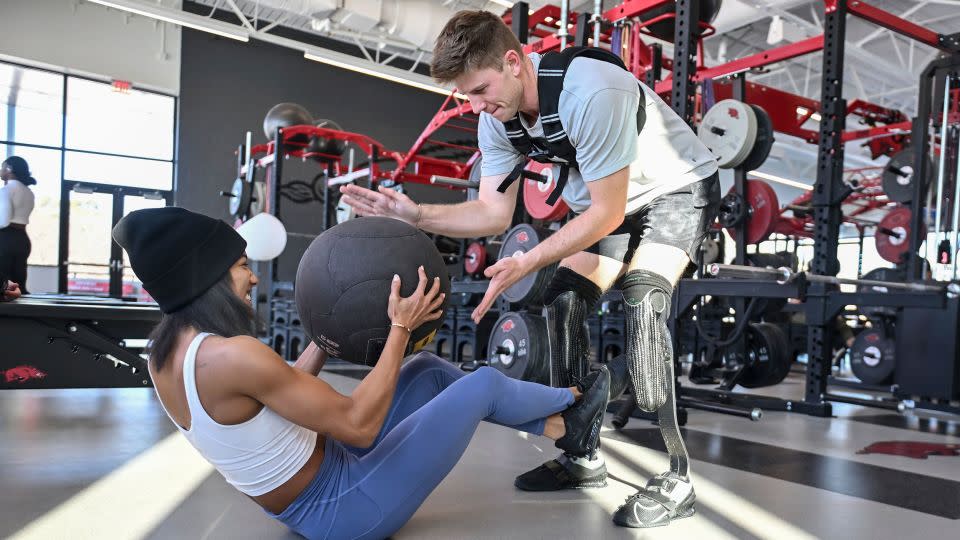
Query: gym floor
x=107, y=464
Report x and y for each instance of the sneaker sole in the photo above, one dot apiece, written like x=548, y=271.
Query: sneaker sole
x=680, y=515
x=588, y=484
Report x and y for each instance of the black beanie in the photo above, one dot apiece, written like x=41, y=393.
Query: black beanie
x=176, y=253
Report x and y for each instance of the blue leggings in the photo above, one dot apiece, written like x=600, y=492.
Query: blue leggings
x=372, y=492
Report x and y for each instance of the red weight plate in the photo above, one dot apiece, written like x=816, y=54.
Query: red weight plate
x=889, y=247
x=535, y=194
x=764, y=211
x=475, y=259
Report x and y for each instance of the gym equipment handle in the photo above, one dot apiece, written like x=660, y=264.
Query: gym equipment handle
x=453, y=182
x=785, y=275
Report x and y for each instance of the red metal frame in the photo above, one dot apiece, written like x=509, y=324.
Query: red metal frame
x=630, y=8
x=423, y=167
x=888, y=129
x=288, y=133
x=539, y=17
x=781, y=105
x=426, y=167
x=708, y=30
x=868, y=199
x=779, y=54
x=891, y=22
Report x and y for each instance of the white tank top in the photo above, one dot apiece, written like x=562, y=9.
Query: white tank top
x=16, y=203
x=256, y=456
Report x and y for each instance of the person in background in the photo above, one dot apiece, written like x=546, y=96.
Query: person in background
x=16, y=205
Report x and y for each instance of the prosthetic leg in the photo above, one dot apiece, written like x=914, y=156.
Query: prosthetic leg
x=669, y=495
x=569, y=339
x=569, y=299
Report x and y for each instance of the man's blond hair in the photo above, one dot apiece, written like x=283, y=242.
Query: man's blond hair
x=471, y=40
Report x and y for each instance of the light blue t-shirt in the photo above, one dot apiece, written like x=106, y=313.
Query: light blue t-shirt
x=598, y=110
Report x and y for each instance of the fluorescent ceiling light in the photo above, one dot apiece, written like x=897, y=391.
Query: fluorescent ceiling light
x=220, y=28
x=178, y=17
x=782, y=180
x=344, y=61
x=503, y=3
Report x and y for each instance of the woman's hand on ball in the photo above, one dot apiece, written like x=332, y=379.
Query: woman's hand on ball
x=384, y=202
x=420, y=307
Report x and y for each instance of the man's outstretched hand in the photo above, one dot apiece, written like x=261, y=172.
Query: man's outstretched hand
x=503, y=274
x=384, y=202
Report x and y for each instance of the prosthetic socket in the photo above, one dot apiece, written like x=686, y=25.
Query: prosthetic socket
x=649, y=348
x=569, y=300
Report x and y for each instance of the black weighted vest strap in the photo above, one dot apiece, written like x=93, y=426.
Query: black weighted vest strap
x=555, y=147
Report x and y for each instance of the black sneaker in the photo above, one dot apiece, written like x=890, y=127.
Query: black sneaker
x=562, y=473
x=583, y=420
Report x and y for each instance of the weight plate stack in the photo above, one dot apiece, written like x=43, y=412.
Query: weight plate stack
x=764, y=142
x=519, y=347
x=893, y=248
x=519, y=240
x=873, y=357
x=729, y=130
x=478, y=256
x=240, y=197
x=732, y=211
x=535, y=194
x=898, y=176
x=762, y=212
x=769, y=352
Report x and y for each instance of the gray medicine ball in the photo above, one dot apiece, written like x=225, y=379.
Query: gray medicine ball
x=343, y=285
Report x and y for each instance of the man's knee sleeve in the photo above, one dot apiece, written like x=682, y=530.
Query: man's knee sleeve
x=649, y=347
x=638, y=284
x=565, y=280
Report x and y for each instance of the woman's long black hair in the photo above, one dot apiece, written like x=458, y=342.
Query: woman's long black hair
x=218, y=311
x=21, y=170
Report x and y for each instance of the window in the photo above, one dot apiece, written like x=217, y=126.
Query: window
x=129, y=123
x=118, y=171
x=31, y=106
x=118, y=144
